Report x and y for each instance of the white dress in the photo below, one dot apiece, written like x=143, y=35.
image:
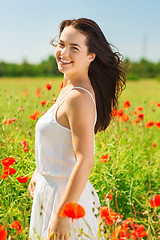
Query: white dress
x=55, y=161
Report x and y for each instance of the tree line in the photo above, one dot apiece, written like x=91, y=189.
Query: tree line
x=135, y=70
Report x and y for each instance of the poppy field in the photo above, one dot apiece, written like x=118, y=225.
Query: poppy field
x=126, y=172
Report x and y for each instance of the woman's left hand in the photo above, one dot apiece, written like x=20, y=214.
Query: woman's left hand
x=60, y=227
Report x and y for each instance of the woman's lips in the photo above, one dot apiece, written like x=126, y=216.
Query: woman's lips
x=64, y=62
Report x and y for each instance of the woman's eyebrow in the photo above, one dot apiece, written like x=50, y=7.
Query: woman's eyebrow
x=73, y=44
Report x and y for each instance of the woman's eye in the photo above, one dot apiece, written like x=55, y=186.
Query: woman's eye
x=61, y=44
x=74, y=48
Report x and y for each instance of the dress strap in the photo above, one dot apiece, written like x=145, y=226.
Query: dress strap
x=92, y=99
x=61, y=101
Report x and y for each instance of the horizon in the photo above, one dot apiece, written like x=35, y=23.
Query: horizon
x=28, y=27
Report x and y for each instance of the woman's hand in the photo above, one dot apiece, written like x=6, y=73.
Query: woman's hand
x=59, y=227
x=32, y=183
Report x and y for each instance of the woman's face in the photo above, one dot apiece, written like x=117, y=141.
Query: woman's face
x=72, y=53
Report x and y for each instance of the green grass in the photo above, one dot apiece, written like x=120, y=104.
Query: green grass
x=132, y=174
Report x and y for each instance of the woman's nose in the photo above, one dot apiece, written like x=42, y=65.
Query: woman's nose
x=64, y=52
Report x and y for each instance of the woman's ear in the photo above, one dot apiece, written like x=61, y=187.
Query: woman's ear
x=91, y=56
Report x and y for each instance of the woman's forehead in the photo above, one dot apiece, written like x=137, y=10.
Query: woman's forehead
x=72, y=35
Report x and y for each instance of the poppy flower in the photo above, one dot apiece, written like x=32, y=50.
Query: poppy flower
x=149, y=124
x=24, y=143
x=126, y=104
x=25, y=93
x=155, y=201
x=8, y=121
x=139, y=108
x=151, y=101
x=158, y=104
x=135, y=121
x=125, y=118
x=61, y=85
x=141, y=116
x=38, y=92
x=3, y=233
x=48, y=86
x=16, y=225
x=9, y=170
x=134, y=112
x=8, y=161
x=154, y=145
x=105, y=158
x=128, y=230
x=120, y=113
x=72, y=210
x=43, y=102
x=158, y=124
x=108, y=215
x=35, y=115
x=114, y=113
x=109, y=196
x=22, y=179
x=25, y=149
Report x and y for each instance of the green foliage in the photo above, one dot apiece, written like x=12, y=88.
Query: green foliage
x=131, y=174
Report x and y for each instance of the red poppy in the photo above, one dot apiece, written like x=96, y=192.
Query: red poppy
x=43, y=102
x=126, y=104
x=24, y=143
x=9, y=170
x=114, y=113
x=139, y=108
x=134, y=112
x=35, y=115
x=108, y=215
x=25, y=93
x=135, y=121
x=22, y=179
x=154, y=145
x=125, y=118
x=141, y=116
x=128, y=230
x=155, y=201
x=105, y=158
x=61, y=85
x=72, y=210
x=8, y=161
x=8, y=121
x=25, y=149
x=158, y=124
x=149, y=124
x=16, y=225
x=120, y=113
x=38, y=92
x=48, y=86
x=158, y=104
x=109, y=196
x=3, y=233
x=151, y=101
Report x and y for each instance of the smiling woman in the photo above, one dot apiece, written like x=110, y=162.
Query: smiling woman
x=64, y=142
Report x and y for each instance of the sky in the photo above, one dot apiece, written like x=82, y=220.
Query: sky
x=27, y=26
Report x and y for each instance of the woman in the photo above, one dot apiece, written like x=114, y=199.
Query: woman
x=64, y=144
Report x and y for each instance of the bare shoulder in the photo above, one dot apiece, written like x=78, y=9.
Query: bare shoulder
x=80, y=106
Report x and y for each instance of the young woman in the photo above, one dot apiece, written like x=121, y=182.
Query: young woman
x=64, y=143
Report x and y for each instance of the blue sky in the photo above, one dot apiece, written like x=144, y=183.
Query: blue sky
x=27, y=26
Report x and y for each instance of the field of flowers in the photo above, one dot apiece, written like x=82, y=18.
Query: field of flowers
x=126, y=173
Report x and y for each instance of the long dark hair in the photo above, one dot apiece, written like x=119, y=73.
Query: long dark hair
x=106, y=71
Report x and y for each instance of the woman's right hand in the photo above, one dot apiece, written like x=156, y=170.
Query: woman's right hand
x=32, y=183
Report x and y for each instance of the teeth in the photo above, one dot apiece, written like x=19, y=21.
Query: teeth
x=64, y=61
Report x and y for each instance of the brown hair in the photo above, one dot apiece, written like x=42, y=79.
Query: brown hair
x=106, y=71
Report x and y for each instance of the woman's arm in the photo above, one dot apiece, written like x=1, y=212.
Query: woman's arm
x=81, y=114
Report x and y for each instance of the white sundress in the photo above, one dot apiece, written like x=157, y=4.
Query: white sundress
x=55, y=161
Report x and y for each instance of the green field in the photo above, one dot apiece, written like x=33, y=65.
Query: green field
x=132, y=173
